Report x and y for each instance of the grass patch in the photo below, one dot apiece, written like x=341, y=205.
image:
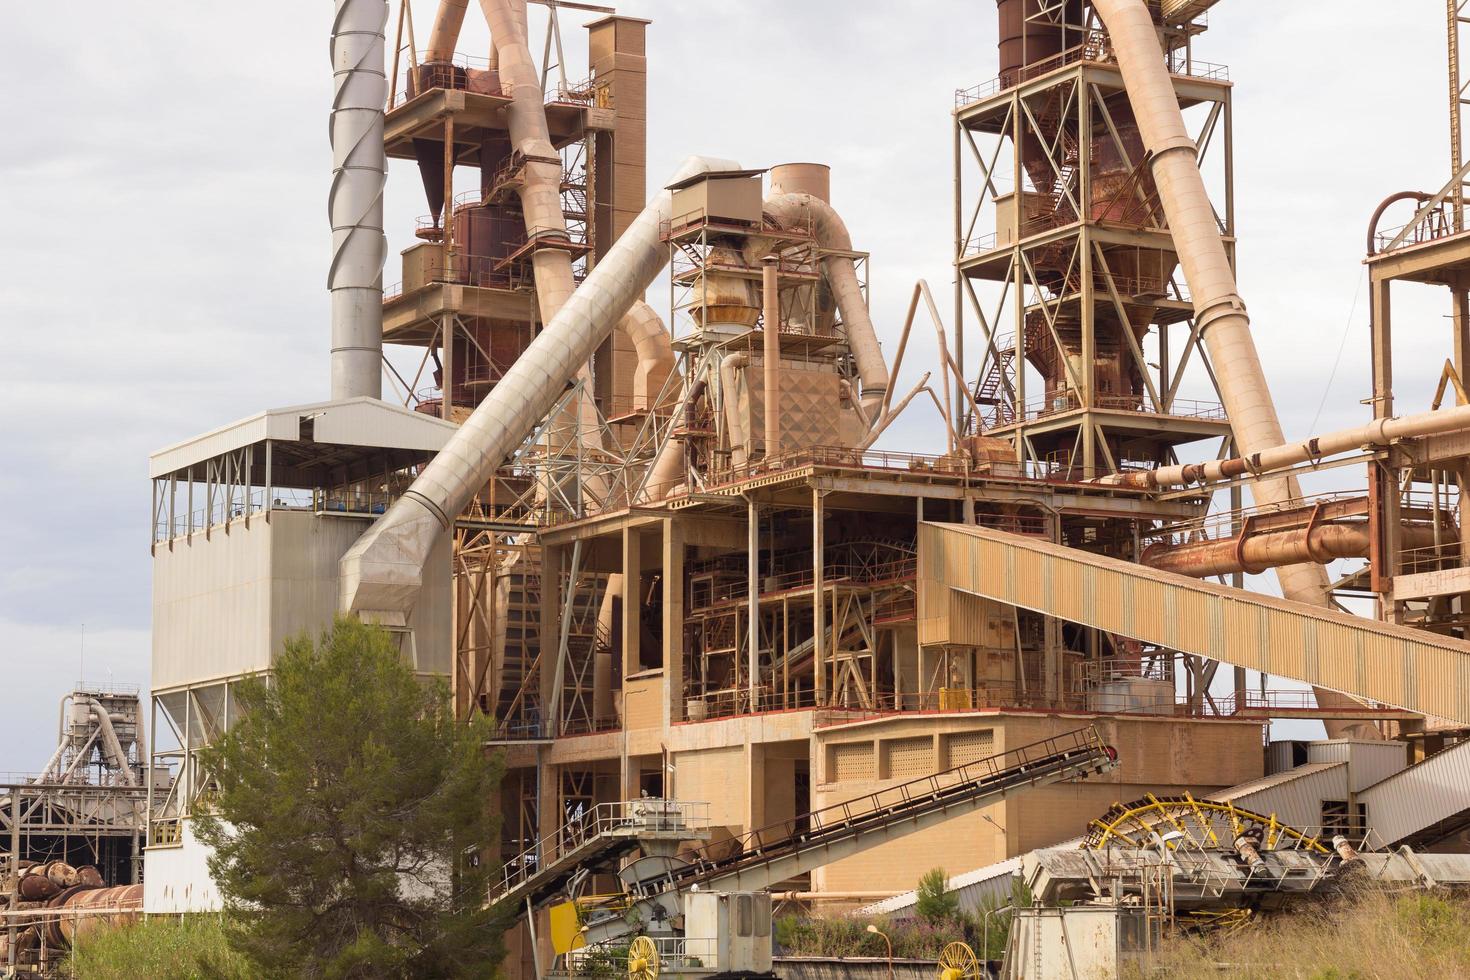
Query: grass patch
x=1367, y=935
x=194, y=948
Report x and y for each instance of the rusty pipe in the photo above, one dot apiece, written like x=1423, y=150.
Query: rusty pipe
x=97, y=907
x=1257, y=552
x=1418, y=197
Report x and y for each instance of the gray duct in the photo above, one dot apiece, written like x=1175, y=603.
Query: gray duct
x=355, y=205
x=382, y=573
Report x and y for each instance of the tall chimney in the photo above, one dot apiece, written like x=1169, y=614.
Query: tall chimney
x=355, y=205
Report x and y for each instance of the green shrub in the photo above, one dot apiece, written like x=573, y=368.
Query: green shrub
x=194, y=948
x=935, y=904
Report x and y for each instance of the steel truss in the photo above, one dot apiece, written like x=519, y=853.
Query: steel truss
x=1081, y=260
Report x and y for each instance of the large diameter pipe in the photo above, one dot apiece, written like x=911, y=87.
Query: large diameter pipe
x=798, y=210
x=91, y=910
x=1255, y=553
x=771, y=351
x=655, y=351
x=1219, y=310
x=355, y=204
x=444, y=35
x=1376, y=434
x=383, y=571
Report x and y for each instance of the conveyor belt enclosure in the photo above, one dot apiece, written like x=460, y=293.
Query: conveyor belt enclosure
x=781, y=851
x=1408, y=668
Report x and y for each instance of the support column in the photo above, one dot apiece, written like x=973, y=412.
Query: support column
x=673, y=620
x=548, y=630
x=819, y=616
x=1383, y=494
x=1461, y=304
x=632, y=633
x=753, y=600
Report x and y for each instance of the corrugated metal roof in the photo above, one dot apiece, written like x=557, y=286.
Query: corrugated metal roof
x=1295, y=796
x=1407, y=668
x=1234, y=794
x=1368, y=762
x=1434, y=790
x=973, y=888
x=353, y=422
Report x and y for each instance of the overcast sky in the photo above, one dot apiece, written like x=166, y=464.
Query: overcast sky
x=163, y=235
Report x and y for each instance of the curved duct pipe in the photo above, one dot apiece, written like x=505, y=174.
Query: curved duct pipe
x=797, y=209
x=668, y=468
x=1255, y=553
x=1376, y=434
x=1219, y=310
x=383, y=571
x=655, y=350
x=448, y=21
x=734, y=420
x=355, y=203
x=110, y=743
x=1418, y=197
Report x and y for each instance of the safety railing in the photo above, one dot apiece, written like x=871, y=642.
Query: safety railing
x=1059, y=402
x=1096, y=47
x=1052, y=758
x=1433, y=558
x=625, y=818
x=674, y=953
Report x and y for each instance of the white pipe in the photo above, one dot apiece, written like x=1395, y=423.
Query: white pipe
x=1376, y=434
x=735, y=420
x=110, y=743
x=355, y=204
x=383, y=572
x=1219, y=310
x=655, y=350
x=798, y=210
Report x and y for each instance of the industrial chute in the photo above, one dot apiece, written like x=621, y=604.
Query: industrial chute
x=382, y=573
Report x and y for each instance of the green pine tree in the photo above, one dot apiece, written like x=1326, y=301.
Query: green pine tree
x=349, y=816
x=934, y=904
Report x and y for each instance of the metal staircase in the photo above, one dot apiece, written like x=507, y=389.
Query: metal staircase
x=794, y=847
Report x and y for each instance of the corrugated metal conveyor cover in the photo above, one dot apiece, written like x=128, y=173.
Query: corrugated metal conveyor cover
x=1396, y=665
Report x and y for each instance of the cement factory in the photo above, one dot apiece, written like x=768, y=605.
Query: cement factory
x=635, y=504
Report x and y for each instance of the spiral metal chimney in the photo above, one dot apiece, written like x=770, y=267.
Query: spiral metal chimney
x=355, y=204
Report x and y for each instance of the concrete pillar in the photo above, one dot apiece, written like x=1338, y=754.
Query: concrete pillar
x=673, y=620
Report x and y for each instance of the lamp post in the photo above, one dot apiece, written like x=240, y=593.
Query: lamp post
x=888, y=942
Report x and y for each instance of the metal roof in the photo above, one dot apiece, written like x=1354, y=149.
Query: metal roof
x=362, y=422
x=1433, y=794
x=1411, y=669
x=972, y=888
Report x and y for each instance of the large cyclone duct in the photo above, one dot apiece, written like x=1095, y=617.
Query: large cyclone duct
x=801, y=209
x=1219, y=310
x=355, y=204
x=383, y=571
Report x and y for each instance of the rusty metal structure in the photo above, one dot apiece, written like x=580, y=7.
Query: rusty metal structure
x=665, y=550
